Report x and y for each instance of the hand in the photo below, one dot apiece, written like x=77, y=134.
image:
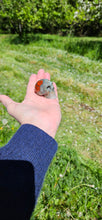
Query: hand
x=42, y=112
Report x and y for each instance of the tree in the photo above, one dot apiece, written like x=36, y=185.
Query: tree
x=88, y=17
x=22, y=15
x=77, y=17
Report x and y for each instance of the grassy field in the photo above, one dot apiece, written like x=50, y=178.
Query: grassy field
x=73, y=185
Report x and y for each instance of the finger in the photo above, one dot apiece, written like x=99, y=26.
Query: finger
x=55, y=88
x=40, y=74
x=5, y=100
x=31, y=85
x=8, y=103
x=47, y=76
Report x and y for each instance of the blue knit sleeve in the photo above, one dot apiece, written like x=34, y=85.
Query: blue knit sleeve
x=31, y=144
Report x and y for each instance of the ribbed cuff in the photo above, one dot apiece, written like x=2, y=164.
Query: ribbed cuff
x=31, y=144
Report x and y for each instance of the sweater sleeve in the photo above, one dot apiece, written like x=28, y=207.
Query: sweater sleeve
x=31, y=144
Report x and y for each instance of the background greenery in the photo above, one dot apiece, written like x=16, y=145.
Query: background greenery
x=74, y=17
x=73, y=185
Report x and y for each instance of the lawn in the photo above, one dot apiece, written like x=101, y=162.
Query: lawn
x=73, y=185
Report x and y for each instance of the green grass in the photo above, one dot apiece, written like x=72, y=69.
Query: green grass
x=73, y=185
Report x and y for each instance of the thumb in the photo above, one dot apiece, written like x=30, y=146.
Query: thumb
x=7, y=102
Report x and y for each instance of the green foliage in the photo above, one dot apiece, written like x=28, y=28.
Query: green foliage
x=88, y=17
x=85, y=47
x=88, y=47
x=73, y=185
x=21, y=15
x=51, y=16
x=73, y=192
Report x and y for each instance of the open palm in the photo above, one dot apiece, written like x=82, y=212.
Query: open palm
x=36, y=110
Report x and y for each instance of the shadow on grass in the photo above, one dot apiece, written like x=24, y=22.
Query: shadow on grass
x=88, y=47
x=28, y=38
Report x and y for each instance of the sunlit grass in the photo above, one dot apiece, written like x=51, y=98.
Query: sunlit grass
x=72, y=187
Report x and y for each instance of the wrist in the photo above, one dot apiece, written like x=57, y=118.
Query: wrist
x=47, y=130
